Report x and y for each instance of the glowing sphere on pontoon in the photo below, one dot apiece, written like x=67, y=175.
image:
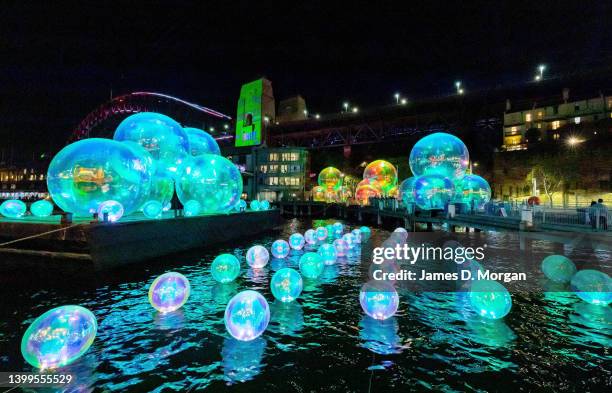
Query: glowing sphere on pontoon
x=264, y=205
x=257, y=256
x=490, y=299
x=330, y=179
x=110, y=210
x=286, y=285
x=169, y=292
x=280, y=248
x=439, y=154
x=225, y=268
x=357, y=234
x=13, y=208
x=433, y=191
x=247, y=315
x=365, y=192
x=406, y=189
x=152, y=209
x=42, y=208
x=379, y=299
x=381, y=172
x=255, y=205
x=318, y=194
x=472, y=190
x=192, y=208
x=201, y=142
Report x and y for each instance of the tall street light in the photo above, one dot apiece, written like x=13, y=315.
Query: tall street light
x=397, y=98
x=345, y=105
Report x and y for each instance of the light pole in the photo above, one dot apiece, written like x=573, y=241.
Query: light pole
x=541, y=69
x=397, y=98
x=345, y=105
x=458, y=87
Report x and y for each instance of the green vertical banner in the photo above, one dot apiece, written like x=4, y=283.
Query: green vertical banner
x=249, y=118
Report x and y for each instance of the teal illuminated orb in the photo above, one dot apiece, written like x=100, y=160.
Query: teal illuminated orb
x=472, y=190
x=365, y=234
x=264, y=205
x=321, y=233
x=311, y=265
x=433, y=191
x=225, y=268
x=110, y=210
x=201, y=142
x=257, y=256
x=592, y=286
x=286, y=285
x=152, y=209
x=328, y=253
x=330, y=179
x=192, y=208
x=338, y=229
x=310, y=236
x=13, y=208
x=42, y=208
x=255, y=206
x=247, y=315
x=160, y=135
x=169, y=292
x=406, y=189
x=162, y=189
x=341, y=247
x=88, y=172
x=357, y=234
x=350, y=240
x=212, y=180
x=280, y=248
x=59, y=337
x=378, y=299
x=296, y=241
x=490, y=299
x=330, y=230
x=558, y=268
x=439, y=154
x=242, y=205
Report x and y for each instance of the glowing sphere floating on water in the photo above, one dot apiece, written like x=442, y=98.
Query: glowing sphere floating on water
x=350, y=240
x=13, y=208
x=472, y=189
x=42, y=208
x=169, y=292
x=357, y=234
x=264, y=205
x=381, y=172
x=225, y=268
x=311, y=265
x=310, y=236
x=341, y=247
x=433, y=191
x=338, y=229
x=330, y=230
x=257, y=256
x=111, y=210
x=280, y=248
x=255, y=205
x=88, y=172
x=328, y=253
x=365, y=192
x=192, y=208
x=318, y=194
x=378, y=299
x=296, y=241
x=286, y=285
x=490, y=299
x=201, y=142
x=593, y=286
x=162, y=189
x=160, y=135
x=330, y=179
x=400, y=230
x=152, y=209
x=406, y=189
x=365, y=234
x=439, y=154
x=321, y=233
x=247, y=315
x=212, y=180
x=59, y=337
x=558, y=268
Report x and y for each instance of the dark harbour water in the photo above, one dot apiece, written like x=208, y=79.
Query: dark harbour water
x=323, y=342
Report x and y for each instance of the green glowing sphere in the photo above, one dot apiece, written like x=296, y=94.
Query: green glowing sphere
x=286, y=285
x=490, y=299
x=225, y=268
x=311, y=265
x=162, y=189
x=472, y=189
x=318, y=194
x=330, y=179
x=13, y=208
x=593, y=286
x=558, y=268
x=42, y=208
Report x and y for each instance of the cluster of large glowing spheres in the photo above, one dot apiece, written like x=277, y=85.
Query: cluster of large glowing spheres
x=110, y=211
x=225, y=268
x=169, y=292
x=41, y=208
x=472, y=190
x=257, y=256
x=433, y=191
x=286, y=285
x=88, y=172
x=379, y=299
x=330, y=179
x=201, y=142
x=490, y=299
x=406, y=190
x=212, y=180
x=592, y=286
x=382, y=173
x=280, y=248
x=328, y=253
x=13, y=208
x=59, y=337
x=311, y=265
x=296, y=241
x=439, y=154
x=318, y=194
x=558, y=268
x=364, y=192
x=152, y=209
x=247, y=315
x=160, y=135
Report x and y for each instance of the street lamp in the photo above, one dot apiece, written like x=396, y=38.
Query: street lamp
x=345, y=105
x=355, y=109
x=541, y=69
x=397, y=98
x=305, y=113
x=538, y=78
x=460, y=91
x=317, y=116
x=458, y=87
x=403, y=101
x=225, y=126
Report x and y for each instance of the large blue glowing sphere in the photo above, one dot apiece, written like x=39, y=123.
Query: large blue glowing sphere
x=593, y=286
x=558, y=268
x=169, y=292
x=350, y=240
x=110, y=211
x=13, y=208
x=365, y=234
x=152, y=209
x=286, y=285
x=378, y=299
x=88, y=172
x=472, y=190
x=160, y=135
x=225, y=268
x=321, y=233
x=264, y=205
x=201, y=142
x=311, y=265
x=59, y=337
x=42, y=208
x=439, y=154
x=255, y=205
x=490, y=299
x=192, y=208
x=296, y=241
x=338, y=229
x=357, y=234
x=280, y=248
x=310, y=236
x=247, y=315
x=212, y=180
x=328, y=253
x=341, y=247
x=162, y=189
x=257, y=256
x=406, y=189
x=433, y=191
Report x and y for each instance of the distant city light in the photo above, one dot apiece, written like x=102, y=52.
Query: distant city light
x=226, y=126
x=573, y=141
x=317, y=116
x=305, y=112
x=538, y=78
x=403, y=101
x=355, y=109
x=460, y=91
x=212, y=129
x=458, y=84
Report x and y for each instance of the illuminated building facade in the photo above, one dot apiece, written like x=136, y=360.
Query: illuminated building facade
x=27, y=182
x=256, y=109
x=281, y=173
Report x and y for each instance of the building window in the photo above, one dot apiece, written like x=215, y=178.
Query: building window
x=273, y=157
x=555, y=136
x=513, y=129
x=556, y=124
x=283, y=168
x=528, y=117
x=540, y=114
x=539, y=125
x=577, y=120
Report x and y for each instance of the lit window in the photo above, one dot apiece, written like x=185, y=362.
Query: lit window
x=528, y=117
x=556, y=124
x=513, y=129
x=273, y=157
x=555, y=136
x=540, y=114
x=577, y=120
x=539, y=125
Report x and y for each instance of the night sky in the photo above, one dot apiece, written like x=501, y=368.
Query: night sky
x=60, y=61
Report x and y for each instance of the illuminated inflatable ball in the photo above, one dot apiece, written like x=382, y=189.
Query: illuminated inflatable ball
x=341, y=247
x=286, y=285
x=160, y=135
x=433, y=191
x=592, y=286
x=365, y=234
x=318, y=194
x=264, y=205
x=255, y=205
x=357, y=234
x=212, y=180
x=201, y=142
x=393, y=192
x=400, y=230
x=330, y=179
x=321, y=233
x=225, y=268
x=257, y=256
x=192, y=208
x=110, y=210
x=310, y=236
x=247, y=315
x=59, y=337
x=162, y=189
x=328, y=253
x=381, y=172
x=379, y=299
x=490, y=299
x=13, y=208
x=472, y=190
x=406, y=189
x=439, y=154
x=296, y=241
x=558, y=268
x=311, y=265
x=88, y=172
x=350, y=240
x=338, y=229
x=42, y=208
x=242, y=205
x=169, y=292
x=280, y=248
x=152, y=209
x=365, y=192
